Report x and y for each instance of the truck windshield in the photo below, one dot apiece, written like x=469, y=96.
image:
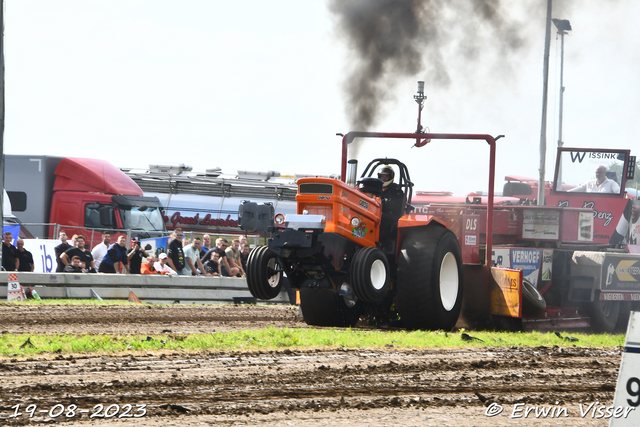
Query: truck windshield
x=142, y=218
x=589, y=171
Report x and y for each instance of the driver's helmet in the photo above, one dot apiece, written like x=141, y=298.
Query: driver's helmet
x=386, y=174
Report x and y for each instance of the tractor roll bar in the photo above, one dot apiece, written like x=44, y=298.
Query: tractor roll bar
x=420, y=141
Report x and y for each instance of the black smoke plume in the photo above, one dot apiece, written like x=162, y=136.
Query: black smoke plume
x=391, y=40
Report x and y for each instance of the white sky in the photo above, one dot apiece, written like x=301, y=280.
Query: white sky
x=256, y=85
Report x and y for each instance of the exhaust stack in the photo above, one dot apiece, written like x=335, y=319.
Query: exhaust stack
x=352, y=172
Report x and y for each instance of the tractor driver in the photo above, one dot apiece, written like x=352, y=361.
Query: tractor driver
x=392, y=203
x=601, y=184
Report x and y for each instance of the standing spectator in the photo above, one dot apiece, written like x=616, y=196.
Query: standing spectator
x=234, y=258
x=175, y=253
x=74, y=241
x=193, y=265
x=60, y=250
x=82, y=252
x=10, y=260
x=74, y=266
x=135, y=255
x=225, y=268
x=185, y=242
x=116, y=257
x=244, y=255
x=243, y=241
x=25, y=257
x=206, y=245
x=100, y=250
x=211, y=267
x=162, y=267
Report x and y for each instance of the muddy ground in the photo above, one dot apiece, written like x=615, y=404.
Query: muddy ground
x=374, y=387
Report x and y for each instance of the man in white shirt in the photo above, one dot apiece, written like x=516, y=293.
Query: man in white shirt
x=193, y=265
x=100, y=250
x=601, y=184
x=162, y=267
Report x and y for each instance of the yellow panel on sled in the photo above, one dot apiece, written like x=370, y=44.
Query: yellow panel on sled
x=506, y=292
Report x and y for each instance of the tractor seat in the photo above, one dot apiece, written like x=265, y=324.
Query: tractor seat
x=371, y=185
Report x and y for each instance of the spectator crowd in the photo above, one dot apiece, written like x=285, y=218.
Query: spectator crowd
x=183, y=257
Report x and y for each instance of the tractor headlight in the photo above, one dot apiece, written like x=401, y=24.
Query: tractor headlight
x=279, y=219
x=355, y=221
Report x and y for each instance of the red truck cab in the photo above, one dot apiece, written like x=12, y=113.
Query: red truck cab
x=81, y=196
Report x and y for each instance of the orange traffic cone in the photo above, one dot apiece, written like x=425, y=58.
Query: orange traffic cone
x=133, y=297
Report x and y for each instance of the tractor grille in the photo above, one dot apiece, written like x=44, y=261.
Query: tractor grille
x=314, y=188
x=325, y=209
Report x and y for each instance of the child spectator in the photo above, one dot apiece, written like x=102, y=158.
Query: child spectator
x=74, y=266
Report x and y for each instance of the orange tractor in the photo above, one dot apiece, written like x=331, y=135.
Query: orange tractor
x=355, y=247
x=347, y=254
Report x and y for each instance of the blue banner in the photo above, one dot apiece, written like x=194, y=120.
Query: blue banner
x=156, y=246
x=529, y=261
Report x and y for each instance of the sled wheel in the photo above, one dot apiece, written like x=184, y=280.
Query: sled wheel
x=370, y=274
x=429, y=278
x=324, y=307
x=533, y=303
x=262, y=278
x=603, y=315
x=623, y=317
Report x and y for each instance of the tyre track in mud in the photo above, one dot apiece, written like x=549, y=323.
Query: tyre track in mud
x=233, y=384
x=144, y=319
x=308, y=387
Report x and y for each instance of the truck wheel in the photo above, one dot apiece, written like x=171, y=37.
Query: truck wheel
x=533, y=303
x=263, y=280
x=603, y=315
x=324, y=307
x=370, y=274
x=430, y=278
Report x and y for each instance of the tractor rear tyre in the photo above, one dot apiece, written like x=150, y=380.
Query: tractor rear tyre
x=370, y=274
x=603, y=315
x=263, y=279
x=533, y=303
x=324, y=307
x=429, y=278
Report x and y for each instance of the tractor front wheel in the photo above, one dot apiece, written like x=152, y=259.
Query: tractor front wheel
x=264, y=277
x=370, y=274
x=429, y=278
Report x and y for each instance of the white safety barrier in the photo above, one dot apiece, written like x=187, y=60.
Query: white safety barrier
x=149, y=288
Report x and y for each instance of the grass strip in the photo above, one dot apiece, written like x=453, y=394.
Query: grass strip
x=16, y=345
x=93, y=301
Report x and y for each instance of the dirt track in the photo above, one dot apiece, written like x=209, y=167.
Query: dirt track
x=336, y=387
